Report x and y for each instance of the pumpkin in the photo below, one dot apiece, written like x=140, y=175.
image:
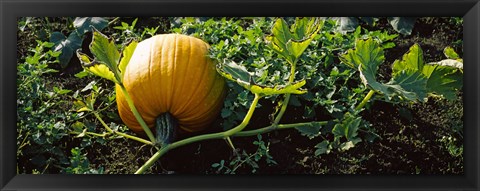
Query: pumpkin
x=171, y=75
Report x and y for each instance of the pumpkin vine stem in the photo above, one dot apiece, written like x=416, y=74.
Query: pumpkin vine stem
x=365, y=100
x=287, y=96
x=136, y=113
x=165, y=127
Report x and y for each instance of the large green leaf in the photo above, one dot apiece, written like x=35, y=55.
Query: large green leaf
x=444, y=81
x=105, y=52
x=368, y=55
x=67, y=46
x=412, y=60
x=291, y=43
x=409, y=84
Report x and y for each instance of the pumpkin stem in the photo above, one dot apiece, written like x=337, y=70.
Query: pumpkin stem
x=165, y=127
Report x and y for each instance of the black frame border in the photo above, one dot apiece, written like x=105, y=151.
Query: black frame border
x=11, y=9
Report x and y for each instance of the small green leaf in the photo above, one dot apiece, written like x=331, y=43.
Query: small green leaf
x=450, y=53
x=322, y=148
x=126, y=56
x=367, y=55
x=311, y=130
x=81, y=74
x=348, y=127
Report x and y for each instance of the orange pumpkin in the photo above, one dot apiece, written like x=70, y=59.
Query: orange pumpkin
x=171, y=73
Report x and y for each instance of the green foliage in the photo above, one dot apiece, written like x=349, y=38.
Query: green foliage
x=402, y=25
x=41, y=119
x=69, y=45
x=412, y=78
x=79, y=164
x=247, y=161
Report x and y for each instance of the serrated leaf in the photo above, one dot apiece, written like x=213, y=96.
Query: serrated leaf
x=322, y=148
x=96, y=68
x=311, y=130
x=126, y=56
x=235, y=72
x=367, y=55
x=291, y=43
x=406, y=83
x=105, y=51
x=348, y=127
x=412, y=60
x=83, y=24
x=403, y=25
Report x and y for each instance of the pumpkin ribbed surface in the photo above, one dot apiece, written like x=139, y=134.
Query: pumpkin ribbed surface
x=172, y=73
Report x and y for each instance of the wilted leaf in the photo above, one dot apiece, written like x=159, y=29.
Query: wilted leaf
x=96, y=68
x=105, y=51
x=235, y=72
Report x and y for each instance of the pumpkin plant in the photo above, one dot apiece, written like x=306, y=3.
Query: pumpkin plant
x=168, y=84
